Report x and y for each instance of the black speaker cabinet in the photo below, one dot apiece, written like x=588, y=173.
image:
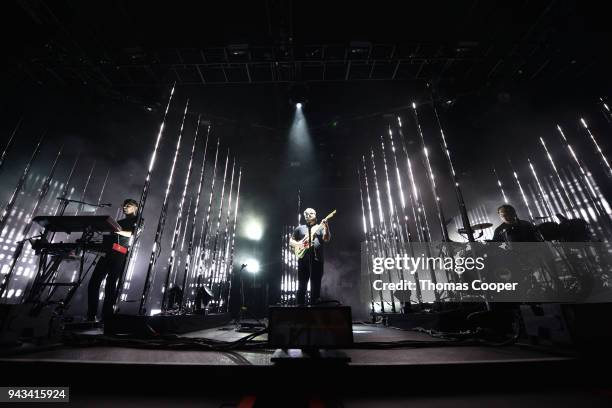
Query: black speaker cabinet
x=310, y=327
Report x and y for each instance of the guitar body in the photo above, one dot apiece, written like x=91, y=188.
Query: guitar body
x=301, y=249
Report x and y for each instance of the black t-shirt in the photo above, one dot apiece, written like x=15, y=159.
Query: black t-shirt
x=317, y=241
x=522, y=231
x=127, y=224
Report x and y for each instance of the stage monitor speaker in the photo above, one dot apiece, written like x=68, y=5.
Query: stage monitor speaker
x=310, y=327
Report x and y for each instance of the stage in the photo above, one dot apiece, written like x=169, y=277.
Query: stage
x=360, y=357
x=416, y=204
x=429, y=373
x=421, y=358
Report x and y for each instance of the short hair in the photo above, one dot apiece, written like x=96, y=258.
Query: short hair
x=129, y=201
x=506, y=207
x=315, y=211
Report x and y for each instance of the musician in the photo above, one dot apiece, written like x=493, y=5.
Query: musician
x=310, y=267
x=513, y=229
x=110, y=265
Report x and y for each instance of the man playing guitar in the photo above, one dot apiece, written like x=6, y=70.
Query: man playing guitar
x=310, y=261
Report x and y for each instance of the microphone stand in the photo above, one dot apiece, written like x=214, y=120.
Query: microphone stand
x=66, y=201
x=241, y=294
x=310, y=256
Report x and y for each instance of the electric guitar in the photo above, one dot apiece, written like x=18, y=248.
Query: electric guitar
x=302, y=246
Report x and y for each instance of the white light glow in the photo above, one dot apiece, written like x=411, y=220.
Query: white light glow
x=298, y=105
x=253, y=230
x=252, y=265
x=583, y=123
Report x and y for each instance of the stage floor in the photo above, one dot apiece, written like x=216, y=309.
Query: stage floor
x=362, y=333
x=455, y=376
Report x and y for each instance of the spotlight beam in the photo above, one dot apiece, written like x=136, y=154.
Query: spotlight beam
x=82, y=199
x=144, y=194
x=523, y=195
x=367, y=244
x=177, y=224
x=398, y=179
x=606, y=111
x=501, y=188
x=26, y=171
x=432, y=180
x=9, y=144
x=161, y=223
x=233, y=236
x=394, y=222
x=221, y=267
x=102, y=191
x=458, y=192
x=566, y=195
x=61, y=206
x=545, y=202
x=413, y=195
x=375, y=236
x=603, y=157
x=215, y=252
x=202, y=241
x=190, y=247
x=28, y=226
x=590, y=190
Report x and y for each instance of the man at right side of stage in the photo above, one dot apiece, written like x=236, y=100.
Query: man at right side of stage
x=513, y=229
